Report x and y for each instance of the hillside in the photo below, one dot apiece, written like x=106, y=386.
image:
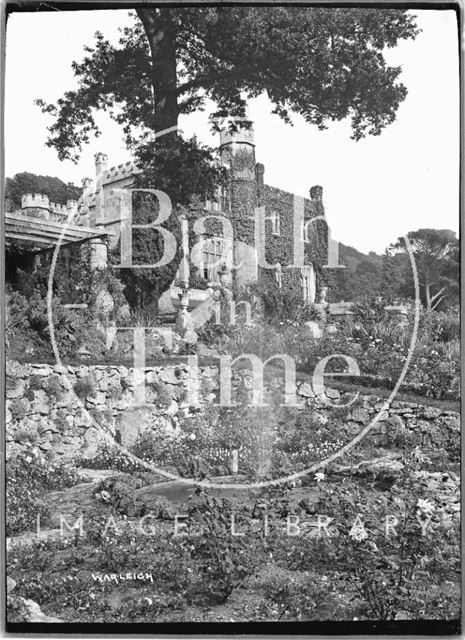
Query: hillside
x=352, y=257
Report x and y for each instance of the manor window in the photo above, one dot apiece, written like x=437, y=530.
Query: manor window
x=213, y=256
x=306, y=231
x=307, y=278
x=275, y=223
x=225, y=201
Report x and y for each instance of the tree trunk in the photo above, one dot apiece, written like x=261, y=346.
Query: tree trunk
x=427, y=297
x=160, y=26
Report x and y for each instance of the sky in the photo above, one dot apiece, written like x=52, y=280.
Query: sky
x=375, y=190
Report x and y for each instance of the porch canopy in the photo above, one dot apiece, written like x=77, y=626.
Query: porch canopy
x=45, y=234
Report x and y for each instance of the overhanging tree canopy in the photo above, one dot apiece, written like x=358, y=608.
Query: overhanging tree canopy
x=323, y=63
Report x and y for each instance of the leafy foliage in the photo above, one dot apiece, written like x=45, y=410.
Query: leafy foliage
x=436, y=256
x=164, y=163
x=29, y=474
x=322, y=63
x=25, y=182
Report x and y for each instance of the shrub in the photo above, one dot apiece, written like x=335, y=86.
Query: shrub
x=18, y=408
x=283, y=304
x=36, y=382
x=108, y=457
x=85, y=387
x=28, y=475
x=163, y=398
x=223, y=561
x=15, y=316
x=54, y=388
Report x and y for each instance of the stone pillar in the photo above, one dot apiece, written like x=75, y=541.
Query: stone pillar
x=184, y=270
x=98, y=253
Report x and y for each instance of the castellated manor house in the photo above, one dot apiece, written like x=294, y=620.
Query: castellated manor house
x=284, y=239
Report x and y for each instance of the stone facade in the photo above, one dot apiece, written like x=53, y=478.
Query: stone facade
x=272, y=229
x=105, y=205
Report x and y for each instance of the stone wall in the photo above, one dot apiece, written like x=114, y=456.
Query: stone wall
x=64, y=409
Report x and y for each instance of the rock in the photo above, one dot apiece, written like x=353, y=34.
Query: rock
x=23, y=435
x=332, y=394
x=360, y=415
x=15, y=391
x=430, y=413
x=60, y=369
x=82, y=419
x=94, y=475
x=100, y=398
x=386, y=468
x=403, y=615
x=314, y=329
x=381, y=469
x=168, y=376
x=91, y=442
x=204, y=351
x=40, y=403
x=134, y=421
x=190, y=337
x=10, y=584
x=41, y=370
x=34, y=613
x=151, y=377
x=83, y=371
x=422, y=425
x=221, y=470
x=172, y=409
x=16, y=370
x=306, y=390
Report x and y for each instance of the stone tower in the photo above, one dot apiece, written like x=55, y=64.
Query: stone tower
x=237, y=149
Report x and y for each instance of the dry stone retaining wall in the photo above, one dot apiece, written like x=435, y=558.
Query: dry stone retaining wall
x=63, y=409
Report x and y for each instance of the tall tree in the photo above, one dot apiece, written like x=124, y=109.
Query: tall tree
x=435, y=252
x=323, y=63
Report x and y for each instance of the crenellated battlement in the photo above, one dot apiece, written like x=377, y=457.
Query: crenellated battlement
x=120, y=172
x=35, y=200
x=242, y=138
x=51, y=210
